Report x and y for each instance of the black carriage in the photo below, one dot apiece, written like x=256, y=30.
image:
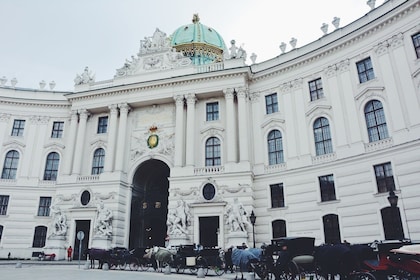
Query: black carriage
x=120, y=257
x=188, y=257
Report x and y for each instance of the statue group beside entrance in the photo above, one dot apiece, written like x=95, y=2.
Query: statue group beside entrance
x=236, y=217
x=179, y=219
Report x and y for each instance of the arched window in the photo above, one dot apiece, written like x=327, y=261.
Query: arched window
x=375, y=121
x=391, y=221
x=275, y=147
x=98, y=161
x=51, y=166
x=39, y=237
x=322, y=136
x=331, y=229
x=213, y=152
x=279, y=228
x=10, y=165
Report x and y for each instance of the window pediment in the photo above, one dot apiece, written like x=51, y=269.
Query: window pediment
x=14, y=144
x=272, y=121
x=319, y=107
x=369, y=91
x=54, y=145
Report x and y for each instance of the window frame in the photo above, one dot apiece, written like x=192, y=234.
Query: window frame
x=4, y=204
x=331, y=225
x=212, y=111
x=279, y=228
x=323, y=144
x=10, y=165
x=277, y=195
x=416, y=43
x=316, y=89
x=271, y=103
x=98, y=161
x=44, y=206
x=327, y=188
x=386, y=182
x=213, y=152
x=365, y=70
x=102, y=125
x=57, y=129
x=275, y=147
x=375, y=120
x=40, y=236
x=18, y=127
x=51, y=167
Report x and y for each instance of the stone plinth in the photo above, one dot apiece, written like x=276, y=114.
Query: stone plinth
x=178, y=240
x=101, y=242
x=236, y=238
x=56, y=245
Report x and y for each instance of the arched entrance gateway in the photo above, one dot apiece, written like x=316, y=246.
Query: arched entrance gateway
x=149, y=204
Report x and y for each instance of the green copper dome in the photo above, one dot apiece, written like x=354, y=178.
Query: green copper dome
x=200, y=43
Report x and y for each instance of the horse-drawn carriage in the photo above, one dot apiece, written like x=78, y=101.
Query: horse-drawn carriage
x=188, y=257
x=117, y=257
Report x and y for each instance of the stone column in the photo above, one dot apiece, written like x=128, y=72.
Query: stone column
x=230, y=126
x=78, y=152
x=243, y=125
x=122, y=130
x=110, y=154
x=190, y=129
x=71, y=141
x=179, y=131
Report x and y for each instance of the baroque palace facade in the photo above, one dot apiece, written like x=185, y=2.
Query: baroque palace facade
x=312, y=142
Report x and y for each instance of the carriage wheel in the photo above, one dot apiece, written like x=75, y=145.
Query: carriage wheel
x=134, y=265
x=362, y=276
x=294, y=272
x=113, y=265
x=202, y=263
x=220, y=267
x=179, y=268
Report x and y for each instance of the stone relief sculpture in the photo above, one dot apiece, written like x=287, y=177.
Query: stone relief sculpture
x=103, y=223
x=59, y=224
x=179, y=219
x=236, y=217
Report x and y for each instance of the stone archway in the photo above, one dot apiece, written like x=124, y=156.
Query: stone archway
x=149, y=204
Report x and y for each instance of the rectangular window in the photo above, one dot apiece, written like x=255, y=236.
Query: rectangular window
x=4, y=203
x=57, y=130
x=102, y=124
x=365, y=70
x=326, y=185
x=44, y=206
x=315, y=89
x=271, y=105
x=384, y=177
x=18, y=126
x=416, y=42
x=277, y=195
x=212, y=111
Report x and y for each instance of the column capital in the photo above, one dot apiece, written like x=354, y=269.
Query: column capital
x=228, y=93
x=124, y=108
x=191, y=99
x=113, y=109
x=179, y=99
x=84, y=114
x=241, y=92
x=74, y=115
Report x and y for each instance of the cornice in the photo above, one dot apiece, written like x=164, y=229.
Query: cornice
x=34, y=103
x=315, y=55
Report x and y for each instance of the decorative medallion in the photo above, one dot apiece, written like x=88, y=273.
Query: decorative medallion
x=153, y=139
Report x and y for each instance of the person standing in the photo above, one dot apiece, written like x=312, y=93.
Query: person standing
x=69, y=252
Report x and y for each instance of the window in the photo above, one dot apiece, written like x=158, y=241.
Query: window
x=39, y=237
x=271, y=105
x=326, y=185
x=10, y=165
x=365, y=70
x=4, y=203
x=98, y=161
x=1, y=231
x=51, y=166
x=18, y=126
x=212, y=111
x=384, y=177
x=416, y=43
x=102, y=124
x=279, y=228
x=57, y=130
x=275, y=147
x=44, y=206
x=213, y=152
x=315, y=89
x=322, y=136
x=277, y=195
x=391, y=222
x=331, y=229
x=375, y=121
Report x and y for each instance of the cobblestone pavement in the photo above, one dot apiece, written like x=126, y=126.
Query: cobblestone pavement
x=74, y=271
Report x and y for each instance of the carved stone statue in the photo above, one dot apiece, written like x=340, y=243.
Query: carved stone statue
x=59, y=225
x=179, y=219
x=103, y=224
x=236, y=217
x=85, y=78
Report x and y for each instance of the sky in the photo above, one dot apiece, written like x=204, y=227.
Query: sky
x=53, y=40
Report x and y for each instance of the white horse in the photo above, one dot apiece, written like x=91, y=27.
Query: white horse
x=162, y=255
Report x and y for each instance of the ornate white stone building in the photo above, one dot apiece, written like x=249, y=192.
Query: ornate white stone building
x=186, y=140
